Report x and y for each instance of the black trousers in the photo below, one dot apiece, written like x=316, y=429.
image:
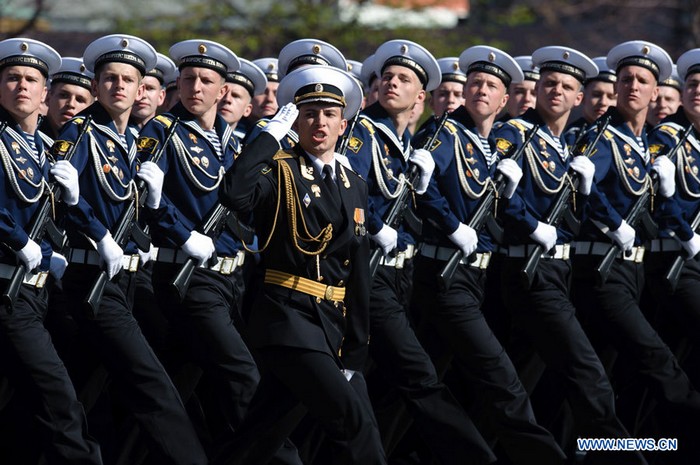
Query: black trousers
x=452, y=320
x=138, y=377
x=394, y=347
x=548, y=318
x=203, y=331
x=613, y=310
x=295, y=382
x=39, y=374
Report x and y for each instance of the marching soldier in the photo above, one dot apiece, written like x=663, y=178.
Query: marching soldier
x=153, y=94
x=668, y=101
x=599, y=94
x=70, y=92
x=310, y=323
x=33, y=366
x=466, y=159
x=449, y=94
x=172, y=96
x=265, y=104
x=541, y=313
x=521, y=94
x=243, y=86
x=204, y=315
x=105, y=160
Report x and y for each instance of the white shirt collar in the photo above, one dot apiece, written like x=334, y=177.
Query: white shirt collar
x=318, y=164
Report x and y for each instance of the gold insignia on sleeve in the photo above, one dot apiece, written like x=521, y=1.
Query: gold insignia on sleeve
x=61, y=148
x=435, y=145
x=355, y=144
x=147, y=144
x=266, y=170
x=656, y=149
x=503, y=146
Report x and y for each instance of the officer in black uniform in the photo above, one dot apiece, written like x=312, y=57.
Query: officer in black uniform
x=542, y=314
x=310, y=325
x=205, y=316
x=622, y=166
x=32, y=364
x=106, y=161
x=466, y=159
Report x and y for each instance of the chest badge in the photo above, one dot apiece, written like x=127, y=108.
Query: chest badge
x=193, y=138
x=359, y=218
x=15, y=147
x=307, y=199
x=205, y=162
x=110, y=145
x=316, y=190
x=197, y=149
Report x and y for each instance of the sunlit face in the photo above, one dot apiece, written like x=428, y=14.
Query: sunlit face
x=557, y=94
x=521, y=97
x=200, y=89
x=636, y=88
x=598, y=96
x=319, y=126
x=399, y=89
x=22, y=89
x=117, y=86
x=667, y=102
x=447, y=97
x=152, y=97
x=691, y=96
x=484, y=95
x=265, y=104
x=235, y=104
x=65, y=101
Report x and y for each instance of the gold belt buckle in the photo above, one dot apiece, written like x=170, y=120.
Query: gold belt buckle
x=41, y=278
x=328, y=294
x=228, y=264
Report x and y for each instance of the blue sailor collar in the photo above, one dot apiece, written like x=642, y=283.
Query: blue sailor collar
x=221, y=127
x=382, y=121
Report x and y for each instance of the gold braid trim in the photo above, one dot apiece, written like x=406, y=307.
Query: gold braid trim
x=285, y=179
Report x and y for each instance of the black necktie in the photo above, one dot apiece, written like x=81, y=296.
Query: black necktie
x=331, y=185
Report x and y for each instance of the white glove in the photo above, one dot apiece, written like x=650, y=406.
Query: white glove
x=30, y=255
x=111, y=255
x=153, y=176
x=67, y=176
x=199, y=247
x=424, y=161
x=545, y=235
x=692, y=246
x=623, y=236
x=57, y=265
x=465, y=238
x=585, y=169
x=667, y=175
x=512, y=173
x=282, y=122
x=387, y=238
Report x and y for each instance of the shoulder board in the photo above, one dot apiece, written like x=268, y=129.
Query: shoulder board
x=368, y=125
x=668, y=129
x=451, y=128
x=517, y=124
x=608, y=135
x=78, y=120
x=262, y=123
x=284, y=155
x=164, y=120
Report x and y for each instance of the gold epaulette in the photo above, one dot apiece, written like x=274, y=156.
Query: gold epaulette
x=284, y=155
x=78, y=120
x=451, y=128
x=608, y=135
x=517, y=124
x=164, y=120
x=261, y=123
x=668, y=129
x=368, y=125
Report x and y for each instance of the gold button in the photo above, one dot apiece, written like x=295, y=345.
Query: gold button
x=346, y=263
x=318, y=300
x=341, y=282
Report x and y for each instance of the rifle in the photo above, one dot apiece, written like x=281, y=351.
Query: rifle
x=40, y=222
x=559, y=208
x=396, y=212
x=483, y=213
x=343, y=146
x=126, y=228
x=635, y=214
x=212, y=227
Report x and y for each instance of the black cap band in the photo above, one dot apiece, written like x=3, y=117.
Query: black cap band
x=158, y=74
x=72, y=78
x=121, y=56
x=410, y=64
x=307, y=60
x=26, y=60
x=692, y=70
x=241, y=80
x=672, y=82
x=454, y=77
x=604, y=76
x=531, y=75
x=319, y=93
x=644, y=62
x=490, y=68
x=200, y=61
x=566, y=68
